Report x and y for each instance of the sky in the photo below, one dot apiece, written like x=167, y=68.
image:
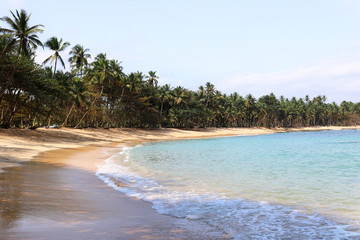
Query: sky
x=290, y=48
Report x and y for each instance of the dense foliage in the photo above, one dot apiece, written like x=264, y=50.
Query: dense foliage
x=101, y=94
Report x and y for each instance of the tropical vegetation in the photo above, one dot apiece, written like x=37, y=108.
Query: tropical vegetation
x=101, y=94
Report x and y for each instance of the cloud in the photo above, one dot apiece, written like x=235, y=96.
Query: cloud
x=336, y=77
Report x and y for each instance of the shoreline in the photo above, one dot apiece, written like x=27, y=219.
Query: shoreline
x=47, y=198
x=20, y=145
x=73, y=156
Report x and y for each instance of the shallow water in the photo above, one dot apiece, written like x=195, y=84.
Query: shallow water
x=290, y=185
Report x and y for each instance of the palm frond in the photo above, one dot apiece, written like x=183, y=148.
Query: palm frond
x=36, y=40
x=48, y=59
x=64, y=45
x=7, y=34
x=62, y=62
x=35, y=29
x=10, y=22
x=52, y=43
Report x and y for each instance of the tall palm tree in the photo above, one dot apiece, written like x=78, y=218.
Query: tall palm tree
x=152, y=79
x=250, y=109
x=23, y=36
x=209, y=94
x=135, y=82
x=79, y=57
x=19, y=36
x=102, y=73
x=179, y=96
x=164, y=96
x=57, y=46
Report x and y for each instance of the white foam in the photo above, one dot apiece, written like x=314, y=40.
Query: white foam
x=238, y=218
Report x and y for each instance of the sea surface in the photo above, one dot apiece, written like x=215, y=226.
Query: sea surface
x=303, y=185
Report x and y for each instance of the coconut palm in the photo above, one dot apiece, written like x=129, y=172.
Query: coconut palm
x=250, y=109
x=78, y=92
x=179, y=96
x=57, y=46
x=209, y=94
x=165, y=97
x=102, y=73
x=23, y=37
x=79, y=58
x=135, y=82
x=152, y=79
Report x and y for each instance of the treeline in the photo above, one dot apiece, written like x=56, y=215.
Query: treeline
x=101, y=94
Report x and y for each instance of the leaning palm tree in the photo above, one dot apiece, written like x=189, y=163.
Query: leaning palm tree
x=100, y=76
x=57, y=46
x=23, y=37
x=79, y=57
x=101, y=72
x=78, y=92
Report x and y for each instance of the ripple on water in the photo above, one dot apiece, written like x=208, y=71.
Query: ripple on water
x=236, y=218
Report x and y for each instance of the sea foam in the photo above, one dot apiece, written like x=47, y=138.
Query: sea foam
x=236, y=218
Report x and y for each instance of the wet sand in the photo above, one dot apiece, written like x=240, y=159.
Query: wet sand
x=56, y=195
x=49, y=199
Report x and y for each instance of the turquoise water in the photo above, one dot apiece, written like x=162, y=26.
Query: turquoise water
x=299, y=185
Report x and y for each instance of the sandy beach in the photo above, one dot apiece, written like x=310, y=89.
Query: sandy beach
x=49, y=189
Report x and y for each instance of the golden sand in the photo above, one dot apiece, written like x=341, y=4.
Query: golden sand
x=17, y=145
x=58, y=196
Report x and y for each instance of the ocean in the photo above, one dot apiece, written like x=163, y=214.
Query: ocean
x=300, y=185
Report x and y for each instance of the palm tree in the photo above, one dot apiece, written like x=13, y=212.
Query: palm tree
x=209, y=94
x=152, y=79
x=201, y=93
x=78, y=92
x=179, y=96
x=135, y=82
x=79, y=57
x=164, y=96
x=103, y=71
x=57, y=46
x=22, y=35
x=250, y=108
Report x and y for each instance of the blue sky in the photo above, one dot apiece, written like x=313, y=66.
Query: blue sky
x=291, y=48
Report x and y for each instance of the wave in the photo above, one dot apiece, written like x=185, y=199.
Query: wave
x=237, y=218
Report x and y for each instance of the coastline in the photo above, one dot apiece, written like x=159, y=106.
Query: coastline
x=19, y=145
x=47, y=198
x=63, y=163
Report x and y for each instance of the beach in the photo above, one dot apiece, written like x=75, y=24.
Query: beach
x=49, y=188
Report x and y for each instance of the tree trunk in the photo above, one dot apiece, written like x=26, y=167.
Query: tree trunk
x=68, y=114
x=92, y=104
x=49, y=122
x=48, y=118
x=161, y=115
x=55, y=66
x=33, y=123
